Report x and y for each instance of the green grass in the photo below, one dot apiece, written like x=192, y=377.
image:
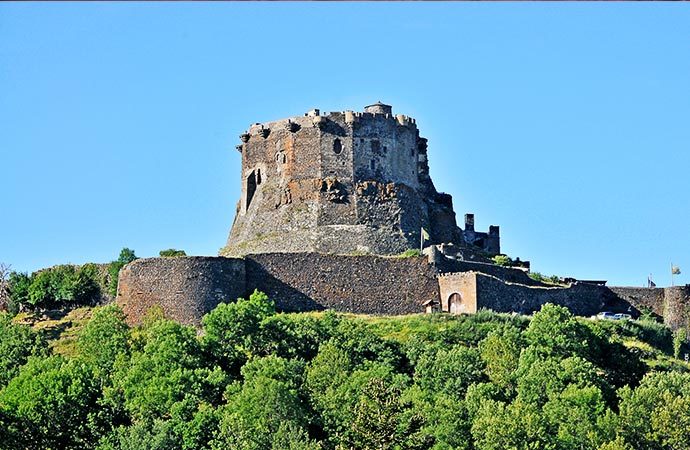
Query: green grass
x=59, y=328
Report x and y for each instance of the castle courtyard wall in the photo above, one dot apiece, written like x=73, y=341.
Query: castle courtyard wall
x=580, y=298
x=356, y=284
x=185, y=288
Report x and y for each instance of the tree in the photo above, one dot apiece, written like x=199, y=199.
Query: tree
x=52, y=404
x=126, y=256
x=515, y=426
x=263, y=405
x=17, y=344
x=554, y=331
x=449, y=371
x=103, y=338
x=502, y=260
x=171, y=253
x=656, y=414
x=500, y=351
x=64, y=283
x=680, y=338
x=575, y=414
x=19, y=284
x=168, y=370
x=232, y=330
x=5, y=300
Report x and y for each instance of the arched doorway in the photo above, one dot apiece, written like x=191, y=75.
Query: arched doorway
x=455, y=303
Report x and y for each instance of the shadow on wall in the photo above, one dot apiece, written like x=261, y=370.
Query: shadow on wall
x=287, y=298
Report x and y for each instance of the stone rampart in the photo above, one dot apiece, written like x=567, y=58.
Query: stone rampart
x=185, y=288
x=677, y=306
x=642, y=299
x=504, y=273
x=580, y=298
x=357, y=284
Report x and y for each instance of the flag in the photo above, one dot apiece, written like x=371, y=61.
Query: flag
x=675, y=270
x=425, y=234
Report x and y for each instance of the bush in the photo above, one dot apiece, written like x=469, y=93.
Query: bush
x=17, y=344
x=52, y=403
x=19, y=284
x=680, y=338
x=502, y=260
x=126, y=256
x=172, y=253
x=553, y=279
x=410, y=253
x=61, y=284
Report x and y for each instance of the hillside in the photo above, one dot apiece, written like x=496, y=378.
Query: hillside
x=254, y=379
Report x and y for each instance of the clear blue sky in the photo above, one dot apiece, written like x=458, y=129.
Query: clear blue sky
x=566, y=124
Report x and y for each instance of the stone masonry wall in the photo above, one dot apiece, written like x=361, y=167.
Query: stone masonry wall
x=357, y=284
x=185, y=288
x=465, y=285
x=651, y=299
x=677, y=306
x=504, y=273
x=581, y=299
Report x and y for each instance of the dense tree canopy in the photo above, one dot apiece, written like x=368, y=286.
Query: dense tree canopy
x=255, y=379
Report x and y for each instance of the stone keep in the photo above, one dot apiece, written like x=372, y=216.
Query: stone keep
x=342, y=182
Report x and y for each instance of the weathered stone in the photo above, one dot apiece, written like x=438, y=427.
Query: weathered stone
x=342, y=182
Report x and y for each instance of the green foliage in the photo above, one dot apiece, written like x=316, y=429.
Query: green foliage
x=167, y=371
x=61, y=284
x=647, y=330
x=232, y=330
x=19, y=284
x=656, y=414
x=104, y=338
x=555, y=331
x=17, y=344
x=126, y=256
x=253, y=379
x=552, y=279
x=172, y=253
x=502, y=260
x=680, y=339
x=450, y=371
x=265, y=407
x=500, y=351
x=52, y=403
x=410, y=253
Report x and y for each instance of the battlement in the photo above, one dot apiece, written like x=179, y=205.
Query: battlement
x=318, y=119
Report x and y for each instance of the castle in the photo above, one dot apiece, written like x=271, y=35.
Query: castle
x=343, y=183
x=327, y=202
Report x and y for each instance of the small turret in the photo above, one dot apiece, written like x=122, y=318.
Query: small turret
x=379, y=108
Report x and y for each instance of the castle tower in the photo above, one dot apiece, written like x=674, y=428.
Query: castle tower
x=341, y=182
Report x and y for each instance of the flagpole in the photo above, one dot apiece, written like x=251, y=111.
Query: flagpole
x=421, y=239
x=671, y=274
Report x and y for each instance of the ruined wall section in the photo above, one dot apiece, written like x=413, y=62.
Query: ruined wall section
x=357, y=284
x=580, y=298
x=508, y=274
x=185, y=288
